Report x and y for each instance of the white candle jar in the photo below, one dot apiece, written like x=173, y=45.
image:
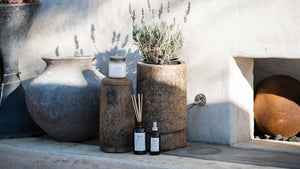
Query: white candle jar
x=117, y=67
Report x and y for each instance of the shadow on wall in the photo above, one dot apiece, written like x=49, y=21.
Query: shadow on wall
x=246, y=67
x=102, y=58
x=77, y=52
x=219, y=123
x=117, y=49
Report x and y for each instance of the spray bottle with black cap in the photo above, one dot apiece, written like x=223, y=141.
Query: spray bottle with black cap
x=154, y=140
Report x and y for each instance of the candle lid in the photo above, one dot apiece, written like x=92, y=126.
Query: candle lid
x=117, y=58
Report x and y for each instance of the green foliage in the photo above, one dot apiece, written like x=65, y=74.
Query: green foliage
x=159, y=42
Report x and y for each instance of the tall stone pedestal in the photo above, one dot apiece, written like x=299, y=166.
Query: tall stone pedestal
x=117, y=119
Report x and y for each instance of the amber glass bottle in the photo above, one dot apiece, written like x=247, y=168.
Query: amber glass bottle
x=139, y=139
x=154, y=140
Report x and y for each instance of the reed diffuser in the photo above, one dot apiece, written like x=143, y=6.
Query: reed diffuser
x=139, y=131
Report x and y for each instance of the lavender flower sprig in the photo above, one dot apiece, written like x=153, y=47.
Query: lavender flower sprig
x=149, y=6
x=187, y=12
x=153, y=15
x=160, y=12
x=132, y=14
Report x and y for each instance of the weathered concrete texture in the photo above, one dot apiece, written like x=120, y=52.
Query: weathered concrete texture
x=171, y=141
x=36, y=153
x=64, y=99
x=15, y=22
x=164, y=91
x=117, y=119
x=276, y=106
x=271, y=145
x=250, y=156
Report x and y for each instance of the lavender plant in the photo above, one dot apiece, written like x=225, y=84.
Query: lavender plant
x=159, y=41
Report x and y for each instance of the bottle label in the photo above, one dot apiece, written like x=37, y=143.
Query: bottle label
x=139, y=142
x=154, y=142
x=117, y=70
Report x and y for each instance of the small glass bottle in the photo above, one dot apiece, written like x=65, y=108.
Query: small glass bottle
x=154, y=140
x=139, y=139
x=117, y=67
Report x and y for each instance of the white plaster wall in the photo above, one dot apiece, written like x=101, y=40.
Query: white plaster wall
x=241, y=96
x=268, y=28
x=216, y=31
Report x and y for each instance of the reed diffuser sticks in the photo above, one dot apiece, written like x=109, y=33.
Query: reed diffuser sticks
x=138, y=106
x=139, y=132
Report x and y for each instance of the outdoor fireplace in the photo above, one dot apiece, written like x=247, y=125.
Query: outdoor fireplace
x=245, y=79
x=232, y=122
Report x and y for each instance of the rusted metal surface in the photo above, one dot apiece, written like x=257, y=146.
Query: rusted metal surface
x=117, y=120
x=276, y=106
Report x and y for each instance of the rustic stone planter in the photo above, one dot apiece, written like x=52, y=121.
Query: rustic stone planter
x=64, y=99
x=15, y=22
x=165, y=101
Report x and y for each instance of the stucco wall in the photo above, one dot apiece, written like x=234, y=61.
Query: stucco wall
x=217, y=31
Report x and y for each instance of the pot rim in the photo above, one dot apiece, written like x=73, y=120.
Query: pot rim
x=24, y=4
x=69, y=58
x=156, y=65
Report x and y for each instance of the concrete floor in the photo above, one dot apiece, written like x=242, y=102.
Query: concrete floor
x=45, y=153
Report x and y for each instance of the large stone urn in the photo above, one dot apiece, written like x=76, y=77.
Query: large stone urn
x=64, y=100
x=165, y=101
x=15, y=22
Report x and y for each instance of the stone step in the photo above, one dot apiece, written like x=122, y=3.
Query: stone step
x=43, y=152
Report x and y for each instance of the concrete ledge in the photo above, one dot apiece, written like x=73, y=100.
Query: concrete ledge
x=45, y=153
x=271, y=145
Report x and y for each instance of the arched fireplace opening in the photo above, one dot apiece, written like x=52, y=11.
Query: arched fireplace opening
x=277, y=99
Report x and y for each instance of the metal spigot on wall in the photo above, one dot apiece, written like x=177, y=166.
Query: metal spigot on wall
x=200, y=100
